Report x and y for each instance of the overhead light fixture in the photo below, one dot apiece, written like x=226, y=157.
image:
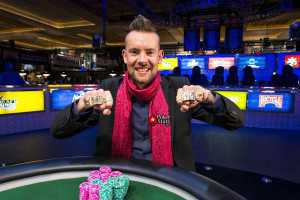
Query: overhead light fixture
x=25, y=44
x=29, y=15
x=22, y=73
x=68, y=45
x=46, y=74
x=20, y=30
x=63, y=74
x=85, y=36
x=113, y=74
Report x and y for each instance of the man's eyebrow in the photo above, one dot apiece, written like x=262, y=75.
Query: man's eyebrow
x=133, y=49
x=137, y=49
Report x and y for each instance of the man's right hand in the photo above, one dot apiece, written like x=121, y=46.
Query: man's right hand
x=98, y=99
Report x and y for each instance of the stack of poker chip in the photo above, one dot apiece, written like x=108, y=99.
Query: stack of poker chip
x=104, y=184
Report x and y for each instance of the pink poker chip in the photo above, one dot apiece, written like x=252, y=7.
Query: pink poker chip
x=105, y=169
x=94, y=175
x=116, y=173
x=94, y=192
x=84, y=191
x=104, y=176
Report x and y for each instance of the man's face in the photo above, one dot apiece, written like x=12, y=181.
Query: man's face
x=142, y=55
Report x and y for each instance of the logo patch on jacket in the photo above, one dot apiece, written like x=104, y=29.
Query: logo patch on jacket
x=159, y=119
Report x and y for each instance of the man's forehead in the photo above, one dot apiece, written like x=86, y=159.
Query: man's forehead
x=135, y=37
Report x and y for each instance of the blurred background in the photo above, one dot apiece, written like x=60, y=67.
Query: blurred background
x=52, y=52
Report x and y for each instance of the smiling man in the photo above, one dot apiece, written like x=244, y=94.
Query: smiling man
x=142, y=56
x=143, y=115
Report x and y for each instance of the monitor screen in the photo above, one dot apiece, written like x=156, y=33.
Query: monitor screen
x=190, y=62
x=270, y=102
x=292, y=60
x=21, y=101
x=256, y=62
x=61, y=98
x=225, y=62
x=237, y=97
x=168, y=64
x=85, y=87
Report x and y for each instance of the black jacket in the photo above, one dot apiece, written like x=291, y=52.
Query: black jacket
x=228, y=116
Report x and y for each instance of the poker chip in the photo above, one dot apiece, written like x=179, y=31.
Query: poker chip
x=106, y=192
x=116, y=173
x=120, y=187
x=104, y=184
x=94, y=191
x=84, y=191
x=104, y=176
x=105, y=169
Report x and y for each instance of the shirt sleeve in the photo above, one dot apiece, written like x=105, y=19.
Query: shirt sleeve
x=76, y=115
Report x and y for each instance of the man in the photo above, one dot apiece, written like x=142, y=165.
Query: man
x=143, y=115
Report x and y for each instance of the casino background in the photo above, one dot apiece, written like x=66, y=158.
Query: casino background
x=64, y=48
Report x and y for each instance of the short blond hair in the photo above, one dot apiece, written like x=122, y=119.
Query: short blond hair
x=142, y=24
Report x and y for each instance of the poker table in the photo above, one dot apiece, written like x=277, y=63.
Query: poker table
x=59, y=179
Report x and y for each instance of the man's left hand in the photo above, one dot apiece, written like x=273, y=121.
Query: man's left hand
x=189, y=96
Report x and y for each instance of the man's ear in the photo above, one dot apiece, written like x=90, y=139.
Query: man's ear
x=160, y=55
x=124, y=56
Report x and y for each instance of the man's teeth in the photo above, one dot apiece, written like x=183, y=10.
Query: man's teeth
x=142, y=70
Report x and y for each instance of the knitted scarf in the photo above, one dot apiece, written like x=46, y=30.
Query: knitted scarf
x=159, y=132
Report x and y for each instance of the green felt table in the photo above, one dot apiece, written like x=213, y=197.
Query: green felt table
x=69, y=189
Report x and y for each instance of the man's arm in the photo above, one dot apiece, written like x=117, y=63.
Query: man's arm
x=222, y=112
x=210, y=107
x=68, y=122
x=82, y=114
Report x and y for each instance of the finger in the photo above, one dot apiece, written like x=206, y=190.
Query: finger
x=106, y=112
x=97, y=107
x=97, y=98
x=199, y=96
x=205, y=97
x=185, y=87
x=86, y=100
x=109, y=99
x=187, y=103
x=184, y=108
x=199, y=93
x=194, y=104
x=179, y=96
x=211, y=98
x=102, y=106
x=100, y=90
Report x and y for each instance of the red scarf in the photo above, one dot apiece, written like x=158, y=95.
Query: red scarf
x=160, y=134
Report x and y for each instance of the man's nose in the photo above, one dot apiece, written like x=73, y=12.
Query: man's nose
x=142, y=58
